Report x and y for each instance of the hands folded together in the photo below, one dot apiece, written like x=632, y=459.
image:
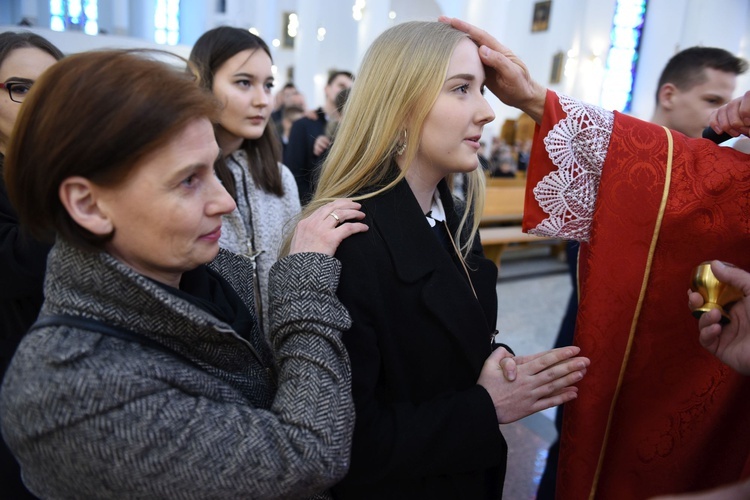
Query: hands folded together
x=522, y=385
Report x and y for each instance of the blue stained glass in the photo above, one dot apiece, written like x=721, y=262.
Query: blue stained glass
x=56, y=8
x=57, y=23
x=74, y=8
x=629, y=14
x=91, y=9
x=625, y=38
x=167, y=22
x=91, y=28
x=620, y=59
x=75, y=15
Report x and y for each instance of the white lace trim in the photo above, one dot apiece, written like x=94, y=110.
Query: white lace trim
x=577, y=146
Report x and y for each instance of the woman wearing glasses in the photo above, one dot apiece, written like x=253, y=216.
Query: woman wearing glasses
x=23, y=57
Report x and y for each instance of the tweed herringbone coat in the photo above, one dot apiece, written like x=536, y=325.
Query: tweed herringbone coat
x=92, y=416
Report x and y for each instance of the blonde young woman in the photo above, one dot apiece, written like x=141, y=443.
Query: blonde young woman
x=429, y=391
x=236, y=66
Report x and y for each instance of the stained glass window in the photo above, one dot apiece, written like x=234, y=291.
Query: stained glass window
x=167, y=22
x=74, y=15
x=622, y=59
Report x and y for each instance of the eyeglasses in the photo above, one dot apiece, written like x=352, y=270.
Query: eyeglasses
x=17, y=90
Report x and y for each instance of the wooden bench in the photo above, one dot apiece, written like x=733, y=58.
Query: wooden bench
x=500, y=226
x=496, y=239
x=503, y=205
x=506, y=181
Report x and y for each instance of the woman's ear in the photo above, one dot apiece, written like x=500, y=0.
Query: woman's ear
x=80, y=197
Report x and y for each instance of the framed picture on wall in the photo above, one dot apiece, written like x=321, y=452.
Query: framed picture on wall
x=557, y=67
x=288, y=29
x=540, y=21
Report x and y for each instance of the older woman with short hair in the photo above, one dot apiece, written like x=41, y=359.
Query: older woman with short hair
x=147, y=375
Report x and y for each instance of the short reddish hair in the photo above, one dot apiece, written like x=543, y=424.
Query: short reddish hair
x=95, y=115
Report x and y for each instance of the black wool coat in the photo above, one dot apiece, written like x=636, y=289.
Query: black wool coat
x=424, y=428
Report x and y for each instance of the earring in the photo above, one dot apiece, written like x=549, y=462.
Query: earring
x=400, y=148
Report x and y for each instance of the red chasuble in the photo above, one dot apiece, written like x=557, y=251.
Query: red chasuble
x=656, y=413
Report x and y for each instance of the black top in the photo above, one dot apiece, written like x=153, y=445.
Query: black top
x=23, y=261
x=207, y=290
x=298, y=154
x=22, y=264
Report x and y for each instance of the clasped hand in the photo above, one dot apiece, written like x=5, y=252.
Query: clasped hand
x=522, y=385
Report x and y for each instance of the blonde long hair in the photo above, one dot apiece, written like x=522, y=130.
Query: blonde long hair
x=401, y=76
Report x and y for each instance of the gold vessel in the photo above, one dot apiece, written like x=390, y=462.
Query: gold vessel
x=716, y=295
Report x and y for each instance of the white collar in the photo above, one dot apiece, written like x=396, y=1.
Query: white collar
x=437, y=212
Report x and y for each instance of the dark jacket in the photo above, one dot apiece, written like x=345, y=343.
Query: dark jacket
x=93, y=416
x=424, y=428
x=298, y=154
x=22, y=264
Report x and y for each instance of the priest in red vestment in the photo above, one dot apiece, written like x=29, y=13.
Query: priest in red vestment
x=656, y=413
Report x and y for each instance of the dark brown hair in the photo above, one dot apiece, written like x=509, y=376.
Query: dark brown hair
x=95, y=115
x=10, y=41
x=686, y=69
x=210, y=51
x=336, y=73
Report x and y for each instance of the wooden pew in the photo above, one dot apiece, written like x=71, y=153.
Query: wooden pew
x=496, y=239
x=503, y=205
x=506, y=181
x=500, y=226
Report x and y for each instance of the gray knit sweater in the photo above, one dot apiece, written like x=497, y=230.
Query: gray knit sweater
x=258, y=224
x=92, y=416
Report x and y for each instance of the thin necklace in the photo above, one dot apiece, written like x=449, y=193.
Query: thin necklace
x=460, y=258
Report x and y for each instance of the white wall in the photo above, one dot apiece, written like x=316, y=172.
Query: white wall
x=577, y=27
x=70, y=43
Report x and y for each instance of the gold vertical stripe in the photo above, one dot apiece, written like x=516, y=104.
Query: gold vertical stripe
x=634, y=323
x=578, y=276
